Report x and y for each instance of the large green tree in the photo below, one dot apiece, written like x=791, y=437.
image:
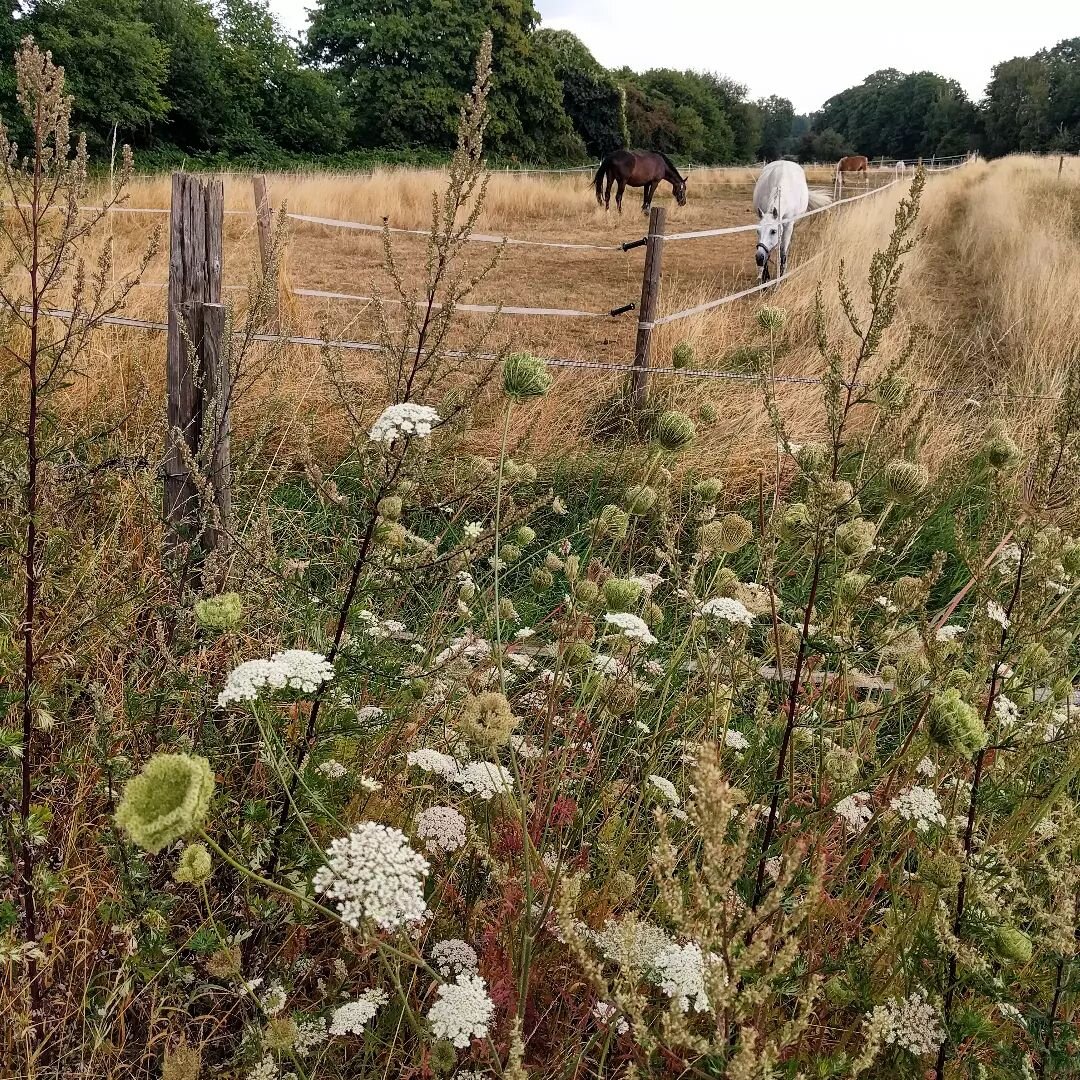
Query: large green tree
x=777, y=126
x=405, y=65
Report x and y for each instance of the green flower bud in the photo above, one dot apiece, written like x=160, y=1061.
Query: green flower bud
x=838, y=991
x=577, y=653
x=892, y=393
x=525, y=376
x=958, y=679
x=812, y=457
x=488, y=721
x=280, y=1034
x=390, y=507
x=467, y=591
x=955, y=725
x=418, y=689
x=944, y=871
x=1070, y=558
x=524, y=536
x=612, y=522
x=735, y=533
x=795, y=522
x=553, y=563
x=586, y=591
x=842, y=767
x=443, y=1057
x=909, y=592
x=653, y=614
x=389, y=534
x=220, y=613
x=639, y=499
x=674, y=431
x=855, y=538
x=771, y=319
x=572, y=566
x=850, y=587
x=542, y=579
x=168, y=800
x=621, y=594
x=910, y=671
x=707, y=413
x=1011, y=945
x=1001, y=450
x=682, y=356
x=1035, y=658
x=509, y=553
x=506, y=609
x=194, y=865
x=904, y=481
x=709, y=490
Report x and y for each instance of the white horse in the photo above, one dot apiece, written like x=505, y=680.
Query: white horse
x=900, y=168
x=780, y=196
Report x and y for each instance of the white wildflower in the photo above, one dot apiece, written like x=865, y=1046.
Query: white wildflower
x=728, y=609
x=886, y=605
x=920, y=806
x=1008, y=560
x=293, y=669
x=373, y=874
x=523, y=748
x=911, y=1023
x=310, y=1034
x=266, y=1069
x=605, y=1012
x=950, y=632
x=558, y=506
x=369, y=783
x=368, y=714
x=485, y=779
x=631, y=626
x=648, y=582
x=434, y=761
x=632, y=943
x=1006, y=711
x=997, y=614
x=666, y=788
x=454, y=957
x=273, y=1001
x=610, y=666
x=736, y=740
x=332, y=769
x=462, y=1011
x=442, y=828
x=404, y=420
x=854, y=811
x=353, y=1017
x=680, y=973
x=926, y=768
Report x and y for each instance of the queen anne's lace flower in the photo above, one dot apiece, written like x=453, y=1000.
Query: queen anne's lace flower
x=605, y=1012
x=332, y=769
x=666, y=788
x=631, y=626
x=950, y=632
x=920, y=806
x=997, y=614
x=403, y=421
x=926, y=767
x=353, y=1017
x=373, y=874
x=729, y=610
x=434, y=761
x=310, y=1034
x=854, y=811
x=680, y=973
x=610, y=666
x=736, y=740
x=462, y=1011
x=1006, y=711
x=454, y=957
x=265, y=1069
x=485, y=780
x=911, y=1023
x=293, y=669
x=442, y=828
x=273, y=1001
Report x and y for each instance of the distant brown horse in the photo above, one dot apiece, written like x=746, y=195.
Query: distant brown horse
x=638, y=168
x=853, y=163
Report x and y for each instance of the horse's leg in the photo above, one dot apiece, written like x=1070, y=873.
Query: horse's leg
x=619, y=193
x=785, y=243
x=646, y=198
x=607, y=193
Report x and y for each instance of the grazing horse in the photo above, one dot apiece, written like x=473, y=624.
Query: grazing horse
x=780, y=196
x=853, y=163
x=900, y=168
x=638, y=168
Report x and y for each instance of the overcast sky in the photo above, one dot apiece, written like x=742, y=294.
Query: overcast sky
x=789, y=48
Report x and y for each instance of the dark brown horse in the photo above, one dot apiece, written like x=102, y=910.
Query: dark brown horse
x=638, y=168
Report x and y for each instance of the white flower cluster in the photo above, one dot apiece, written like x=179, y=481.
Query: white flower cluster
x=404, y=420
x=461, y=1011
x=610, y=666
x=926, y=767
x=736, y=740
x=950, y=632
x=332, y=769
x=265, y=1069
x=632, y=943
x=353, y=1017
x=273, y=1001
x=442, y=828
x=729, y=610
x=604, y=1012
x=485, y=780
x=920, y=806
x=997, y=614
x=293, y=669
x=373, y=874
x=911, y=1023
x=854, y=811
x=454, y=957
x=1008, y=560
x=666, y=788
x=1006, y=711
x=434, y=761
x=310, y=1034
x=680, y=973
x=630, y=626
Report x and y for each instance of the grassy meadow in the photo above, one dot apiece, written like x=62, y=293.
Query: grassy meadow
x=507, y=732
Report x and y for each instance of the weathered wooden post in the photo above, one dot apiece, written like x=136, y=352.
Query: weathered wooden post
x=1061, y=165
x=650, y=297
x=262, y=214
x=216, y=425
x=195, y=234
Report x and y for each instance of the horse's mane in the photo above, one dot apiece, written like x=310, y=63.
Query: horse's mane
x=670, y=164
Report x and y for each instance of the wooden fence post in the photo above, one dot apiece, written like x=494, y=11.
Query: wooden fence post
x=217, y=424
x=1061, y=165
x=262, y=213
x=195, y=237
x=650, y=296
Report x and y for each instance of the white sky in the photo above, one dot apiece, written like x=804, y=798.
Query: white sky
x=788, y=48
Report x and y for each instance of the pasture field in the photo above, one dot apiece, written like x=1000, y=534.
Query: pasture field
x=496, y=731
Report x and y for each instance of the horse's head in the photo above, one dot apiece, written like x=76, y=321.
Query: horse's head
x=768, y=236
x=679, y=188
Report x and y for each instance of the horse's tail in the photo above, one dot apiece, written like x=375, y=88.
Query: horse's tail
x=818, y=199
x=598, y=179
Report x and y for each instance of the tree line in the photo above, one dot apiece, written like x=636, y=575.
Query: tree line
x=219, y=80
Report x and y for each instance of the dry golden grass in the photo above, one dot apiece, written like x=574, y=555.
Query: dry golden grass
x=995, y=282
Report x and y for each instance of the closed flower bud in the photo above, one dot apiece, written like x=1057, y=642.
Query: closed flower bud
x=653, y=614
x=909, y=592
x=524, y=536
x=509, y=553
x=682, y=356
x=1011, y=945
x=167, y=801
x=280, y=1034
x=795, y=522
x=892, y=393
x=911, y=670
x=542, y=579
x=1001, y=450
x=850, y=587
x=572, y=566
x=1035, y=658
x=553, y=563
x=855, y=538
x=842, y=767
x=418, y=689
x=443, y=1057
x=812, y=457
x=220, y=613
x=836, y=494
x=389, y=534
x=707, y=413
x=904, y=481
x=639, y=499
x=194, y=865
x=506, y=609
x=467, y=591
x=390, y=507
x=488, y=721
x=577, y=653
x=771, y=319
x=674, y=431
x=586, y=591
x=944, y=871
x=621, y=594
x=709, y=490
x=525, y=376
x=735, y=533
x=613, y=522
x=958, y=679
x=955, y=725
